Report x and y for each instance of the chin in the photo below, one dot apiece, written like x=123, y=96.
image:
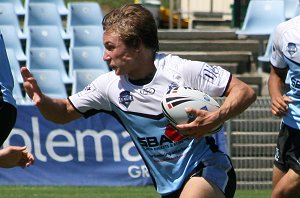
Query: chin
x=118, y=73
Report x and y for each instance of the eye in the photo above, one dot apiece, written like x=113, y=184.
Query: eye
x=109, y=46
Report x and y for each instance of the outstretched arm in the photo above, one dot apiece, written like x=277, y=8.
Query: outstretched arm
x=56, y=110
x=13, y=156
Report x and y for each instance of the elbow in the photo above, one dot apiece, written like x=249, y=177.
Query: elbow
x=251, y=95
x=57, y=120
x=61, y=122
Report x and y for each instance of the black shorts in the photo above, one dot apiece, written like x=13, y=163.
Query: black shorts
x=287, y=152
x=8, y=115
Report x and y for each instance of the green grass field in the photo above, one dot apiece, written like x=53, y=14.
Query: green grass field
x=99, y=192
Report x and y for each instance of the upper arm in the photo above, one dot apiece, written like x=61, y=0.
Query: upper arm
x=278, y=73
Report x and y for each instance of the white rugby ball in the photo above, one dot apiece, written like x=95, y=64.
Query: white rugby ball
x=177, y=99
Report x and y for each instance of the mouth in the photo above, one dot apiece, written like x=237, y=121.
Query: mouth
x=113, y=67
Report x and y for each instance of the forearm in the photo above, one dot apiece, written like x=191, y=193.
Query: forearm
x=239, y=97
x=55, y=110
x=275, y=84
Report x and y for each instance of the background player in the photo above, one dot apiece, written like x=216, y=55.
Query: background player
x=285, y=70
x=13, y=155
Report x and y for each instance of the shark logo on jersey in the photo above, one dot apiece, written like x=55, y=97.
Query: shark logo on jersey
x=291, y=48
x=172, y=85
x=125, y=98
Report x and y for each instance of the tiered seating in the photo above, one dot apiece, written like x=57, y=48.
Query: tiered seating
x=17, y=92
x=86, y=58
x=261, y=18
x=265, y=58
x=12, y=41
x=14, y=65
x=60, y=4
x=291, y=8
x=83, y=36
x=39, y=14
x=35, y=34
x=9, y=17
x=18, y=6
x=83, y=13
x=45, y=79
x=82, y=77
x=46, y=36
x=47, y=58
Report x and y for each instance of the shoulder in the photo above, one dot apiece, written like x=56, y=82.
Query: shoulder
x=174, y=62
x=166, y=59
x=107, y=77
x=286, y=26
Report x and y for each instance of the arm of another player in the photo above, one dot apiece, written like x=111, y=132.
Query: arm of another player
x=56, y=110
x=276, y=89
x=13, y=156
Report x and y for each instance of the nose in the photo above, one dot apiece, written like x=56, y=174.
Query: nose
x=106, y=57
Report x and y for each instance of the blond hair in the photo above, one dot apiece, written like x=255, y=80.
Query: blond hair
x=133, y=24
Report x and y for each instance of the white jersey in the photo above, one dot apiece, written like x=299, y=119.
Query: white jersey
x=6, y=78
x=286, y=54
x=169, y=156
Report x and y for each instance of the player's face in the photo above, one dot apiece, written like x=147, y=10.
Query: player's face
x=119, y=57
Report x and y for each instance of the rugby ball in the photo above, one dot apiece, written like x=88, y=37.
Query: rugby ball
x=177, y=99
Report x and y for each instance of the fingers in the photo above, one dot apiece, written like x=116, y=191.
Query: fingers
x=200, y=123
x=26, y=159
x=30, y=160
x=287, y=99
x=25, y=73
x=280, y=106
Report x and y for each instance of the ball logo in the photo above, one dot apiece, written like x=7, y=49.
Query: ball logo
x=174, y=101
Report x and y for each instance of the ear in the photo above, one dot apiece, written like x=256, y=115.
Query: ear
x=139, y=45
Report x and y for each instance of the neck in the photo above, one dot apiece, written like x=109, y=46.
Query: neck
x=143, y=80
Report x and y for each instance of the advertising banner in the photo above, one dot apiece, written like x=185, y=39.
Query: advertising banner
x=93, y=151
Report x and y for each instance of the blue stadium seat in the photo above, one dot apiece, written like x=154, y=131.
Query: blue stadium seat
x=17, y=93
x=264, y=60
x=82, y=77
x=18, y=6
x=268, y=51
x=14, y=65
x=50, y=82
x=60, y=4
x=291, y=8
x=47, y=58
x=82, y=36
x=39, y=14
x=83, y=13
x=9, y=17
x=12, y=41
x=47, y=36
x=86, y=58
x=261, y=17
